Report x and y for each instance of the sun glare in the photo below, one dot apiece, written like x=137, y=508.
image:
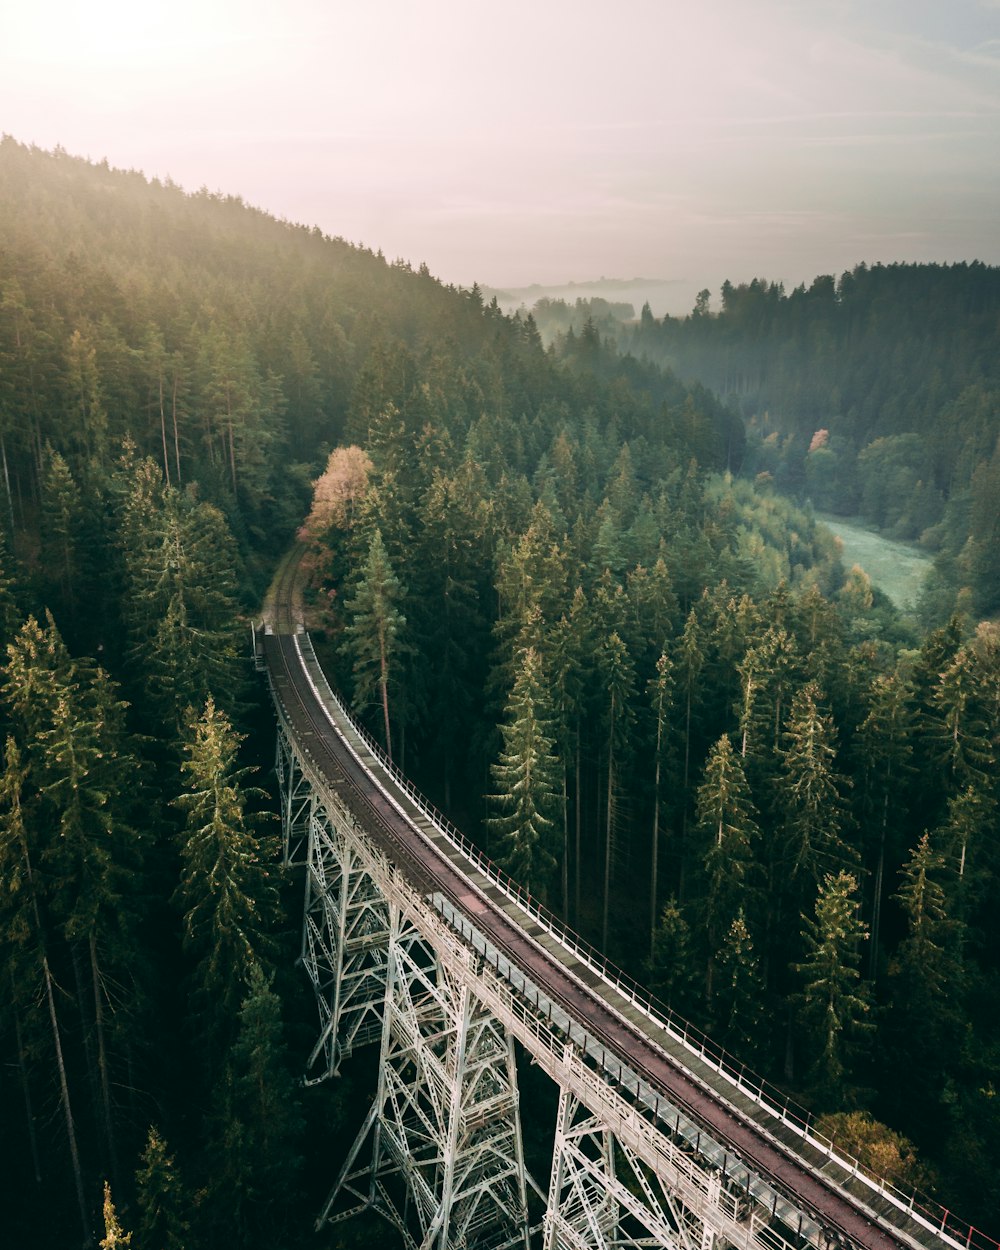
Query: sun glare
x=102, y=34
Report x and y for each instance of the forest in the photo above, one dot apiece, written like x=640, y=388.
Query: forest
x=875, y=394
x=597, y=556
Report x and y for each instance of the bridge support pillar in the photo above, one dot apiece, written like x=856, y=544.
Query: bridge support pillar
x=441, y=1148
x=346, y=919
x=603, y=1194
x=296, y=802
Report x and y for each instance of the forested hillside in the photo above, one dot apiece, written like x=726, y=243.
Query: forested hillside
x=877, y=394
x=519, y=557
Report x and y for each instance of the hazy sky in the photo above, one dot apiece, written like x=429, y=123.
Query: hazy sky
x=513, y=142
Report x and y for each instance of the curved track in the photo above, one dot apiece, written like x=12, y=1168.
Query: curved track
x=315, y=730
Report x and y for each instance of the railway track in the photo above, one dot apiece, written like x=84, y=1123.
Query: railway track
x=315, y=727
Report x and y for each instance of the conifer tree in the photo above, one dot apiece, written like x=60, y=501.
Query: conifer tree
x=726, y=824
x=225, y=893
x=163, y=1205
x=115, y=1238
x=738, y=1010
x=670, y=966
x=527, y=780
x=814, y=809
x=257, y=1125
x=570, y=645
x=660, y=691
x=885, y=740
x=374, y=641
x=182, y=610
x=62, y=521
x=83, y=784
x=835, y=1002
x=927, y=1012
x=618, y=674
x=26, y=939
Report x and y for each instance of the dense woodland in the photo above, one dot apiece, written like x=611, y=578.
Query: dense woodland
x=563, y=587
x=876, y=393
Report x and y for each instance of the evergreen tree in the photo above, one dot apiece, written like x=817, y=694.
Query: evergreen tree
x=570, y=645
x=618, y=676
x=257, y=1127
x=660, y=695
x=527, y=779
x=373, y=641
x=25, y=941
x=182, y=612
x=927, y=1008
x=728, y=830
x=225, y=893
x=835, y=1003
x=738, y=1008
x=114, y=1236
x=670, y=968
x=62, y=523
x=885, y=742
x=162, y=1203
x=814, y=810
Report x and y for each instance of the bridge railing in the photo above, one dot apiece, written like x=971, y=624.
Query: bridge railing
x=921, y=1206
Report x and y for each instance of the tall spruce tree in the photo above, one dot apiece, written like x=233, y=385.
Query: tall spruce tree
x=834, y=1001
x=374, y=641
x=256, y=1129
x=727, y=829
x=618, y=674
x=815, y=814
x=163, y=1206
x=226, y=892
x=527, y=780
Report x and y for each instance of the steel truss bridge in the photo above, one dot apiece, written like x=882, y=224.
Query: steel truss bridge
x=415, y=942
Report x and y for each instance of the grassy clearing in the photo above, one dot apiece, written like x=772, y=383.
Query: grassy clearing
x=898, y=569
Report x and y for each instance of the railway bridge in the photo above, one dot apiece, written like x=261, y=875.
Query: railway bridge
x=414, y=942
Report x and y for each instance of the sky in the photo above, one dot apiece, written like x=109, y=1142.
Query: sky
x=546, y=141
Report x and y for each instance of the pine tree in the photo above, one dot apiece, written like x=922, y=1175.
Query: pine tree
x=618, y=676
x=885, y=740
x=25, y=943
x=738, y=1008
x=182, y=612
x=114, y=1237
x=257, y=1127
x=670, y=966
x=83, y=778
x=527, y=779
x=660, y=691
x=811, y=790
x=160, y=1197
x=726, y=825
x=927, y=1011
x=835, y=1003
x=62, y=522
x=225, y=893
x=374, y=641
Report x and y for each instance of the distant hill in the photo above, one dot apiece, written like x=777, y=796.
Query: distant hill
x=664, y=295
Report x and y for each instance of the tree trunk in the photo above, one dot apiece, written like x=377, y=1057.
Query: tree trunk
x=577, y=819
x=6, y=482
x=102, y=1061
x=163, y=431
x=654, y=856
x=26, y=1087
x=74, y=1152
x=607, y=829
x=177, y=440
x=383, y=682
